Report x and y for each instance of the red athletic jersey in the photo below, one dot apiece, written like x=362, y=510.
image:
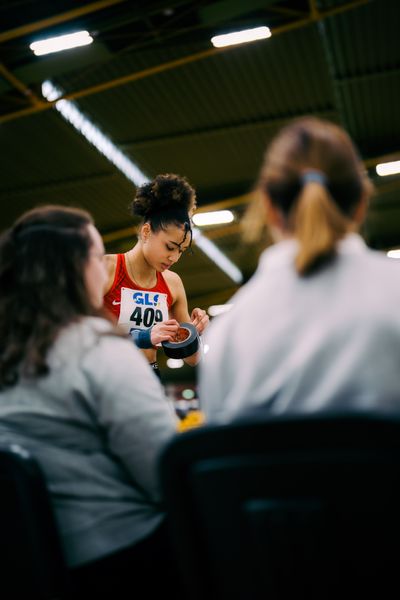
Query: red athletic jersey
x=112, y=300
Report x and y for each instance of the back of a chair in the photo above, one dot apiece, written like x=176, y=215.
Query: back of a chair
x=286, y=508
x=31, y=560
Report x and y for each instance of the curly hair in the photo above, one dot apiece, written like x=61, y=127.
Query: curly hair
x=42, y=263
x=167, y=200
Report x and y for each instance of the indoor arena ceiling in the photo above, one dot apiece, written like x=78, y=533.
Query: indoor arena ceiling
x=155, y=86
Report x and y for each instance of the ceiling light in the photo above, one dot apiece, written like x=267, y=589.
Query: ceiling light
x=61, y=42
x=215, y=217
x=394, y=253
x=175, y=363
x=240, y=37
x=388, y=168
x=218, y=309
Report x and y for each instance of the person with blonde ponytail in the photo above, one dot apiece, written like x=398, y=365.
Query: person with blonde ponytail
x=318, y=325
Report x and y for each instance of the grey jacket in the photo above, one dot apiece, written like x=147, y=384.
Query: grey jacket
x=96, y=424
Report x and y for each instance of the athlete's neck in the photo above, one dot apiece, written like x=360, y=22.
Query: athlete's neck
x=139, y=269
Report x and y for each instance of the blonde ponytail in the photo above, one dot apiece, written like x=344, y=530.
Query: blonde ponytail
x=253, y=225
x=317, y=224
x=314, y=178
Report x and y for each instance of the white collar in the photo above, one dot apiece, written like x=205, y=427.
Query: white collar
x=283, y=253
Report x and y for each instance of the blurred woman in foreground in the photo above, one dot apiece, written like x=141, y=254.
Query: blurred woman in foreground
x=318, y=325
x=83, y=401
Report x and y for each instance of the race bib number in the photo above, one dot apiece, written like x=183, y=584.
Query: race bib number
x=142, y=310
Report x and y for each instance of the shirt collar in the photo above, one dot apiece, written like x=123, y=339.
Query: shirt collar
x=283, y=253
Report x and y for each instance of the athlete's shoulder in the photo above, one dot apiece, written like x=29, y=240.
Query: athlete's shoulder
x=172, y=278
x=175, y=285
x=111, y=266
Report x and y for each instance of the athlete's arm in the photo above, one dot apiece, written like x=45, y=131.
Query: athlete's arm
x=111, y=265
x=179, y=311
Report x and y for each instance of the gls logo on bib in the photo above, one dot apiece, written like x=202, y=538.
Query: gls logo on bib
x=145, y=298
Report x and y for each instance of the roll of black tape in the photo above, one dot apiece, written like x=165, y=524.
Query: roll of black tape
x=187, y=342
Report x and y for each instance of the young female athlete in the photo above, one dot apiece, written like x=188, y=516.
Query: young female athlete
x=147, y=298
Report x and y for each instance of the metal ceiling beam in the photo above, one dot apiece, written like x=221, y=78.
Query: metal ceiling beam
x=39, y=25
x=20, y=86
x=131, y=77
x=56, y=19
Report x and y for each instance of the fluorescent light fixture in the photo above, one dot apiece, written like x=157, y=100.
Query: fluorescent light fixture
x=175, y=363
x=215, y=254
x=105, y=146
x=101, y=142
x=394, y=253
x=61, y=42
x=240, y=37
x=388, y=168
x=216, y=217
x=218, y=309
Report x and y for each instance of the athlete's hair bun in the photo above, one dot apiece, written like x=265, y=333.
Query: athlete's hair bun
x=165, y=193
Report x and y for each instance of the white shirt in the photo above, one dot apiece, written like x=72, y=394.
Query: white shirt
x=327, y=341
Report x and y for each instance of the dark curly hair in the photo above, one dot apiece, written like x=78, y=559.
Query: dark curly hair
x=168, y=199
x=42, y=264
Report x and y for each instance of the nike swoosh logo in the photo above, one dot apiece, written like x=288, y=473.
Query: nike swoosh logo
x=115, y=302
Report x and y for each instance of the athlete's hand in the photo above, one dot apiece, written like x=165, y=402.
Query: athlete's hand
x=164, y=331
x=199, y=319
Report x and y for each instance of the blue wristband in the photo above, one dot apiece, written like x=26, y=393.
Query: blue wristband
x=141, y=337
